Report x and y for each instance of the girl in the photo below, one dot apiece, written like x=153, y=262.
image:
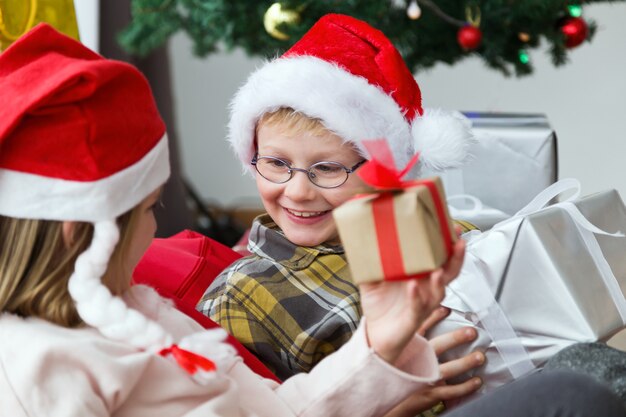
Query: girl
x=83, y=154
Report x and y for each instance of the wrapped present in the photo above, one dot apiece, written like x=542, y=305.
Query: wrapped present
x=401, y=230
x=465, y=207
x=513, y=159
x=550, y=276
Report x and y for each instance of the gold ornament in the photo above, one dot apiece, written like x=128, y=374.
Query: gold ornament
x=523, y=36
x=18, y=17
x=276, y=16
x=472, y=16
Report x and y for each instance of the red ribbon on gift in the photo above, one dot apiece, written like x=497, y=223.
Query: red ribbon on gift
x=381, y=173
x=189, y=361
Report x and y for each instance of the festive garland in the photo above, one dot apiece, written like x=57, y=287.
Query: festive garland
x=501, y=32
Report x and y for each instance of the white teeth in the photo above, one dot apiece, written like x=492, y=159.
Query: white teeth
x=305, y=213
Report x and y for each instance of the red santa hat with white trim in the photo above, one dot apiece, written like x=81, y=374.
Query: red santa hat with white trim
x=81, y=139
x=351, y=77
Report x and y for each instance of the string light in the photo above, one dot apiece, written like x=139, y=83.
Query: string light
x=523, y=56
x=575, y=10
x=414, y=11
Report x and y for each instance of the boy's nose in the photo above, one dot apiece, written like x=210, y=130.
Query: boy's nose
x=299, y=187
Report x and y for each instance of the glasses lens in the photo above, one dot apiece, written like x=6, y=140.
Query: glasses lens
x=273, y=169
x=328, y=174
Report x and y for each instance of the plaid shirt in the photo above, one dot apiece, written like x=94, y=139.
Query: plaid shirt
x=290, y=305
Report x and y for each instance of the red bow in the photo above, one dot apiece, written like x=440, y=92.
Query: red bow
x=380, y=171
x=189, y=361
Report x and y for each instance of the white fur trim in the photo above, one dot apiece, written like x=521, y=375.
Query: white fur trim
x=349, y=106
x=38, y=197
x=211, y=344
x=102, y=310
x=442, y=138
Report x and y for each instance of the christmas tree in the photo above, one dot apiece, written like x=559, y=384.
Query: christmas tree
x=501, y=32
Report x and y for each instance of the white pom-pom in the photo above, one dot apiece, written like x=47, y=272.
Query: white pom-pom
x=442, y=138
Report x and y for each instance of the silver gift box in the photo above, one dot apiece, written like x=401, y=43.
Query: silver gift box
x=514, y=158
x=540, y=282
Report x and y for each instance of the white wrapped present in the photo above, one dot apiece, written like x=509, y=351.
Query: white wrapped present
x=469, y=208
x=550, y=276
x=514, y=158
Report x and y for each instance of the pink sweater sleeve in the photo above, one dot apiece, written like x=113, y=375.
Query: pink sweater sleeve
x=356, y=381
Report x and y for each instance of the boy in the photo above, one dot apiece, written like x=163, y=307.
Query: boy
x=299, y=122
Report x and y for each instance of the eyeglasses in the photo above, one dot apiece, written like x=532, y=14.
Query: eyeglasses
x=325, y=174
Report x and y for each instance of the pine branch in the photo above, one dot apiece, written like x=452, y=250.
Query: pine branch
x=507, y=26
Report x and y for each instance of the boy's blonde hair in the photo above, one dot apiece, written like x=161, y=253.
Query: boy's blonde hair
x=294, y=121
x=36, y=264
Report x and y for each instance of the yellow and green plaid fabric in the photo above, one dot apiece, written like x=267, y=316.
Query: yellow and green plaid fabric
x=290, y=305
x=465, y=226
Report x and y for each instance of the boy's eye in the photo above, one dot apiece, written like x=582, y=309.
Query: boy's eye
x=277, y=163
x=328, y=168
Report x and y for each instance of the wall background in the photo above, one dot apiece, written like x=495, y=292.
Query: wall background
x=88, y=22
x=585, y=102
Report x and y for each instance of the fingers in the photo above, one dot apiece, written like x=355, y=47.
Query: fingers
x=435, y=317
x=457, y=367
x=447, y=341
x=453, y=267
x=436, y=288
x=452, y=392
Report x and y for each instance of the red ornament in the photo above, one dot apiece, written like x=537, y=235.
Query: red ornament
x=575, y=30
x=469, y=37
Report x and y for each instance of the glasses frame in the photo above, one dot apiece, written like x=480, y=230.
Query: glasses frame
x=308, y=172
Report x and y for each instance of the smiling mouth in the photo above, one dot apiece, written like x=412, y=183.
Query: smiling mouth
x=306, y=214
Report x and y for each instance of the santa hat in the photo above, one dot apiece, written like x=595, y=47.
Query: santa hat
x=80, y=140
x=349, y=75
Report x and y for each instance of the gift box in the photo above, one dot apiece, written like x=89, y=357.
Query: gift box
x=468, y=208
x=399, y=230
x=396, y=234
x=540, y=281
x=513, y=159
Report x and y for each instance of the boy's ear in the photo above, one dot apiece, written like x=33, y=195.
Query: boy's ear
x=68, y=233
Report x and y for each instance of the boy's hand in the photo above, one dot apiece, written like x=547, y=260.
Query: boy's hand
x=396, y=310
x=428, y=397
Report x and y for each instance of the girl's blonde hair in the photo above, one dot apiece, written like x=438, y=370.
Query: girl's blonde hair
x=295, y=122
x=36, y=263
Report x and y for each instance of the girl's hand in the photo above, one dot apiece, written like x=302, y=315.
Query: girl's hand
x=394, y=311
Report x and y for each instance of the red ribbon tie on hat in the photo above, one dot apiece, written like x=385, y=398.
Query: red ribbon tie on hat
x=189, y=361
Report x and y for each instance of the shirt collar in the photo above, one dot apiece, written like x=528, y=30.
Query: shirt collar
x=268, y=241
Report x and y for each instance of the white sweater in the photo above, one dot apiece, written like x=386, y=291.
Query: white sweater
x=49, y=370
